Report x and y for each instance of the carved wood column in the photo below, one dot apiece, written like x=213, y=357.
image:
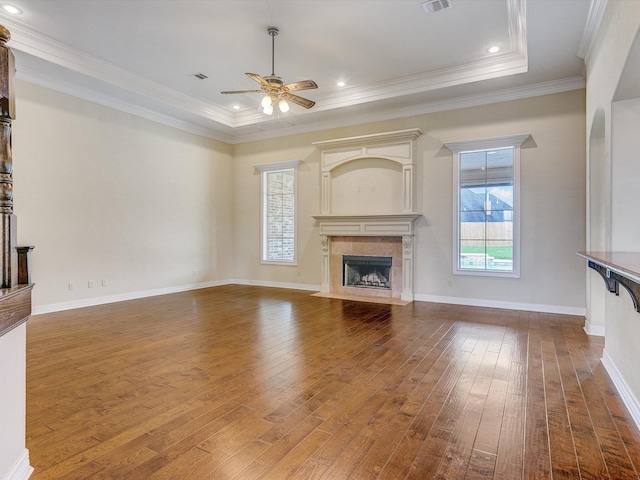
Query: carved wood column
x=407, y=268
x=326, y=263
x=8, y=254
x=15, y=282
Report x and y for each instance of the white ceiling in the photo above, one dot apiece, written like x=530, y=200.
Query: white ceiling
x=396, y=60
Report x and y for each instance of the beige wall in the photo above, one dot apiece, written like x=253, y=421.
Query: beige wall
x=613, y=164
x=104, y=195
x=552, y=197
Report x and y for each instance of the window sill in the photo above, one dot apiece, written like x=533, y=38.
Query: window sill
x=487, y=273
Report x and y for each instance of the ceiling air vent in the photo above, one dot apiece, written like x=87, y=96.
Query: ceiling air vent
x=433, y=6
x=200, y=76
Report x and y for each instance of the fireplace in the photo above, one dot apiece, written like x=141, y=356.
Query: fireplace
x=366, y=266
x=368, y=208
x=366, y=271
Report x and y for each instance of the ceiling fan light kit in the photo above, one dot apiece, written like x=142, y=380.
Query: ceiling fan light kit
x=274, y=88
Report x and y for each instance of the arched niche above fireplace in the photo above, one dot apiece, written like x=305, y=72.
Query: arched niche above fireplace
x=374, y=160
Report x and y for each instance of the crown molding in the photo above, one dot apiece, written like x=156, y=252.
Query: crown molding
x=518, y=26
x=517, y=93
x=594, y=18
x=499, y=66
x=117, y=104
x=31, y=41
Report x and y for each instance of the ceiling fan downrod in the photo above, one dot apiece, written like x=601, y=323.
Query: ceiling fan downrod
x=273, y=31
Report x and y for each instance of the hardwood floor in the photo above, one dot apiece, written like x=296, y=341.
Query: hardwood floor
x=240, y=382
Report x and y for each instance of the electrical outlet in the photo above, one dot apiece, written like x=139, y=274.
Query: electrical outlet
x=90, y=284
x=71, y=286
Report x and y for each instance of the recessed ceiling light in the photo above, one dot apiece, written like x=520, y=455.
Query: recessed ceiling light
x=11, y=9
x=494, y=49
x=341, y=84
x=236, y=107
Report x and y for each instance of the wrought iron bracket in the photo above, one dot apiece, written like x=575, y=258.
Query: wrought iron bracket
x=613, y=279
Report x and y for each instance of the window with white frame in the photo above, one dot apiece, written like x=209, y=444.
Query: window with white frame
x=487, y=206
x=278, y=206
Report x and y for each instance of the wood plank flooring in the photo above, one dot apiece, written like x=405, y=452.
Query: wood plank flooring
x=243, y=383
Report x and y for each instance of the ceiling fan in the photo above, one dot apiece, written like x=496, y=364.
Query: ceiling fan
x=276, y=92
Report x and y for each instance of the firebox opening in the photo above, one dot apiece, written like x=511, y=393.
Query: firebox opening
x=366, y=272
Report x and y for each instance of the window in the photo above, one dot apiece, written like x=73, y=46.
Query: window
x=279, y=212
x=486, y=206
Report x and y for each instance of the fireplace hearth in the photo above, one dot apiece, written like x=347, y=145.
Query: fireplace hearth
x=366, y=271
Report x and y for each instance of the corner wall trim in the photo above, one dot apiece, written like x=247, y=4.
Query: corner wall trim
x=594, y=330
x=22, y=469
x=629, y=399
x=479, y=302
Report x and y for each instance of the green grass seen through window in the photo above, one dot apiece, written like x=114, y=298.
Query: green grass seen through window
x=501, y=253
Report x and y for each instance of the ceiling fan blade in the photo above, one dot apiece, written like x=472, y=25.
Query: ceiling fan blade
x=257, y=78
x=241, y=91
x=303, y=102
x=303, y=85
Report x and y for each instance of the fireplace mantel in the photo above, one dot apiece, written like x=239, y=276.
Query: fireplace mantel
x=367, y=225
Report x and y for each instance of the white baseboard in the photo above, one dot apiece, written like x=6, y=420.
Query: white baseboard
x=594, y=330
x=90, y=302
x=479, y=302
x=627, y=395
x=22, y=469
x=266, y=283
x=474, y=302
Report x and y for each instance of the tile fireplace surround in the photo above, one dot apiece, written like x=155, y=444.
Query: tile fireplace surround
x=369, y=232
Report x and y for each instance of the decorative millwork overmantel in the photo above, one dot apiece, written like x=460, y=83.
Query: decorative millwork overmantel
x=396, y=146
x=617, y=268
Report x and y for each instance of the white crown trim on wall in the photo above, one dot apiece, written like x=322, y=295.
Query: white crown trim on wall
x=596, y=12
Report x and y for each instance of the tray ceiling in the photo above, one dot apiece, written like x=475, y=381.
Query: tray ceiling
x=395, y=59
